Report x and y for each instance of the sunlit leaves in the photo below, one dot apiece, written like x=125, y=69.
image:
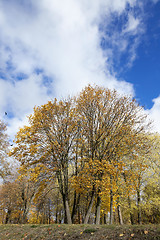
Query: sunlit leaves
x=87, y=143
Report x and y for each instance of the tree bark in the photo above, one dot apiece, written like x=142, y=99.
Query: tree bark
x=67, y=217
x=8, y=216
x=119, y=215
x=130, y=211
x=89, y=208
x=129, y=203
x=138, y=205
x=63, y=186
x=111, y=203
x=75, y=205
x=98, y=210
x=105, y=219
x=69, y=220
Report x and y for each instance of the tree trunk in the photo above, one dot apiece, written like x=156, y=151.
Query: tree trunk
x=89, y=208
x=129, y=203
x=63, y=186
x=139, y=201
x=138, y=205
x=67, y=218
x=75, y=205
x=79, y=216
x=120, y=219
x=105, y=219
x=98, y=210
x=111, y=203
x=119, y=215
x=8, y=216
x=130, y=211
x=76, y=201
x=56, y=221
x=49, y=211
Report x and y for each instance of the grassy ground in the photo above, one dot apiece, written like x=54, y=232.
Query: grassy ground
x=84, y=232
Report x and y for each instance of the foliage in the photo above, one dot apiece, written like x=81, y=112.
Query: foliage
x=86, y=156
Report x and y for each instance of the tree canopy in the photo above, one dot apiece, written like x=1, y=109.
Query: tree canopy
x=91, y=147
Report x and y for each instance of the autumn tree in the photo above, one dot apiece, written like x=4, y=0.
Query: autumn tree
x=4, y=148
x=82, y=142
x=140, y=176
x=11, y=203
x=113, y=126
x=150, y=194
x=50, y=140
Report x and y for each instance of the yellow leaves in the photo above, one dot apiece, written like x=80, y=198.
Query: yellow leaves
x=34, y=218
x=121, y=235
x=87, y=140
x=36, y=171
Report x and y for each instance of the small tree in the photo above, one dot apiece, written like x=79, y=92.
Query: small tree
x=4, y=148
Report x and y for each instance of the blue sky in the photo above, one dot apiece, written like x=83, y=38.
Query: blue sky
x=53, y=48
x=145, y=72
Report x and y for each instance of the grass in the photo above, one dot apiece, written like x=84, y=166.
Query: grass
x=84, y=232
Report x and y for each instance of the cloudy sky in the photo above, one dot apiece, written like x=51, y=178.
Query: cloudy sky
x=53, y=48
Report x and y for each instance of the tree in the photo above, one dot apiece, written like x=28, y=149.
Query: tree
x=4, y=148
x=50, y=141
x=83, y=141
x=113, y=127
x=11, y=203
x=150, y=205
x=16, y=198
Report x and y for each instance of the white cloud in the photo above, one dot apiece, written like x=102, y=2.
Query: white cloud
x=15, y=124
x=63, y=39
x=18, y=99
x=132, y=24
x=154, y=114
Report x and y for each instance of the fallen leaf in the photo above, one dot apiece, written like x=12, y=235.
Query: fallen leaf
x=121, y=235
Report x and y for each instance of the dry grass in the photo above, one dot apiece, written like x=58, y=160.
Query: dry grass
x=84, y=232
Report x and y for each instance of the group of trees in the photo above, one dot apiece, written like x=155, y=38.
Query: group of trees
x=86, y=159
